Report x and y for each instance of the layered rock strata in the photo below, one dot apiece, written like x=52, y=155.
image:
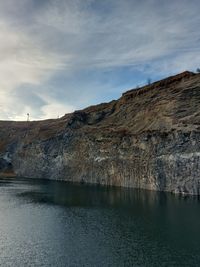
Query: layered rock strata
x=149, y=138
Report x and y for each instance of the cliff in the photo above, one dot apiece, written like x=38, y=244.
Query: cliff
x=149, y=138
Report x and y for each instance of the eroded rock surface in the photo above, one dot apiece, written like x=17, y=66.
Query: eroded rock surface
x=149, y=138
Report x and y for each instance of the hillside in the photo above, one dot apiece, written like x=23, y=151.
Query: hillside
x=149, y=138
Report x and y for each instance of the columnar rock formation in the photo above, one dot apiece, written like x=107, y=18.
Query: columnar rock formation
x=149, y=138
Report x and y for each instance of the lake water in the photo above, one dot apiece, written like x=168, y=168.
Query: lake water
x=50, y=223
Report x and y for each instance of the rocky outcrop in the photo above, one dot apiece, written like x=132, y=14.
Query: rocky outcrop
x=149, y=138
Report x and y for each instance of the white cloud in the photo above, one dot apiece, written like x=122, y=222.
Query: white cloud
x=22, y=62
x=56, y=110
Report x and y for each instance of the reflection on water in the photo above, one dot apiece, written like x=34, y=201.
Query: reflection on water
x=50, y=223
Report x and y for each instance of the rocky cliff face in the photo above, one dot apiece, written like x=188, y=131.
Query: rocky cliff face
x=149, y=138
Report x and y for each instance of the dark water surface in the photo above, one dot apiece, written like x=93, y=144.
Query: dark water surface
x=49, y=223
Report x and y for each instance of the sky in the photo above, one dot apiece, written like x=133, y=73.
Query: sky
x=57, y=56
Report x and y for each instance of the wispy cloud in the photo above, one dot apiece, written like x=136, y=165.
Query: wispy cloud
x=58, y=55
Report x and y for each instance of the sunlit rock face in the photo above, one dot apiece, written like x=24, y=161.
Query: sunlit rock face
x=149, y=138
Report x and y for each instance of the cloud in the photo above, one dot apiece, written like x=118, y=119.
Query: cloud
x=55, y=110
x=22, y=63
x=131, y=32
x=59, y=55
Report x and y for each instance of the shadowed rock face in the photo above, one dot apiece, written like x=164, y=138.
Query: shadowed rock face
x=149, y=138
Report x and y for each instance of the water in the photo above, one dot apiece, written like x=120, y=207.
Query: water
x=49, y=223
